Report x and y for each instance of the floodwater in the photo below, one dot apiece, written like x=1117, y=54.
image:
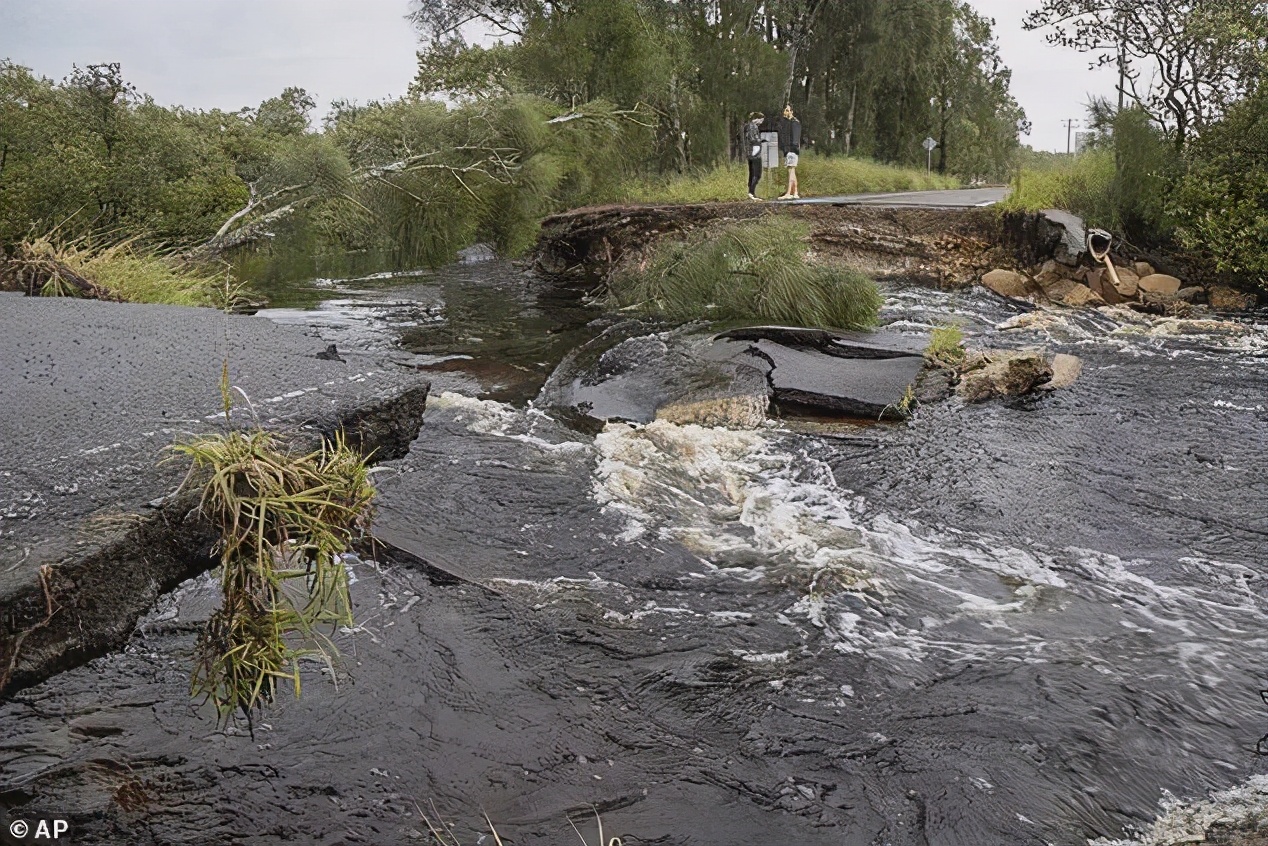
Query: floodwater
x=1036, y=621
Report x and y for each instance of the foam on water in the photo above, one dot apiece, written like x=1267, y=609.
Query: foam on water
x=1240, y=808
x=754, y=502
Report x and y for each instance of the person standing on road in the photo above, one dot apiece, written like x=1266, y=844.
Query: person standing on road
x=753, y=141
x=789, y=148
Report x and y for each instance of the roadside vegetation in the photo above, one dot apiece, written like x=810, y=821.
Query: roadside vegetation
x=821, y=175
x=1181, y=165
x=752, y=271
x=123, y=271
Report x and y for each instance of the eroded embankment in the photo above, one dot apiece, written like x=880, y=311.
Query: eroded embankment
x=942, y=246
x=90, y=530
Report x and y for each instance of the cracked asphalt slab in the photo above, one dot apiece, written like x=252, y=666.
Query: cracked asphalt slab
x=92, y=394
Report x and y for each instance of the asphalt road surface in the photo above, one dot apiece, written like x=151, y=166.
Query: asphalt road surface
x=958, y=199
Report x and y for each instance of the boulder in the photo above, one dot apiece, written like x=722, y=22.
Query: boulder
x=1081, y=296
x=1224, y=298
x=1158, y=283
x=1003, y=374
x=1143, y=269
x=1050, y=273
x=1066, y=369
x=1098, y=281
x=1066, y=232
x=1007, y=283
x=1128, y=282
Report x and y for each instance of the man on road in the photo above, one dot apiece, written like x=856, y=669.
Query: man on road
x=789, y=148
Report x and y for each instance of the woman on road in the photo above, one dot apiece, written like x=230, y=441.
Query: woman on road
x=789, y=148
x=753, y=141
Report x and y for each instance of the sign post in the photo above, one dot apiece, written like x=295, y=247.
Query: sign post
x=929, y=144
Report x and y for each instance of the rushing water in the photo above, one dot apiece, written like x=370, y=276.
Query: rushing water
x=1034, y=621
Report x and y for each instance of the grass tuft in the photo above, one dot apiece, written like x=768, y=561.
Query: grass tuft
x=946, y=347
x=284, y=521
x=747, y=271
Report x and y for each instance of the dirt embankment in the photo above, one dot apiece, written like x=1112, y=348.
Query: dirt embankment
x=944, y=247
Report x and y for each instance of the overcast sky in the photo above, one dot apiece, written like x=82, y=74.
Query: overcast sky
x=232, y=53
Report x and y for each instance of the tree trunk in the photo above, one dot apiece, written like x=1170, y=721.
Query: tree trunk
x=849, y=118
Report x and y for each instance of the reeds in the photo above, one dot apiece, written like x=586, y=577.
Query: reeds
x=756, y=270
x=285, y=519
x=123, y=271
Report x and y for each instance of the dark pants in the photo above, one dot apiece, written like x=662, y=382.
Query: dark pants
x=754, y=174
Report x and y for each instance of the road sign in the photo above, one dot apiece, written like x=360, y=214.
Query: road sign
x=930, y=144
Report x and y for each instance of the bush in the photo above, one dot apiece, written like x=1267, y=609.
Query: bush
x=1221, y=202
x=747, y=271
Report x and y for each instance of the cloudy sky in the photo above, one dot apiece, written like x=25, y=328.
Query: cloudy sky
x=233, y=53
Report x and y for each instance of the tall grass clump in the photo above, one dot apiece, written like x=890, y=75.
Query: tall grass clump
x=285, y=519
x=818, y=175
x=1083, y=184
x=757, y=270
x=122, y=271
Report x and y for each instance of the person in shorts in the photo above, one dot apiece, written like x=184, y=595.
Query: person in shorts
x=790, y=149
x=753, y=143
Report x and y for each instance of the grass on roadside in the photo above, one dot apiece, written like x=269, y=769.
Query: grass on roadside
x=756, y=270
x=122, y=271
x=1083, y=185
x=817, y=175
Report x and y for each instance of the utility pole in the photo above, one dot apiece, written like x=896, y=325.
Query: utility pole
x=1122, y=56
x=1069, y=129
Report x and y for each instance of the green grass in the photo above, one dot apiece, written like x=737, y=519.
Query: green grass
x=946, y=347
x=757, y=270
x=1082, y=184
x=284, y=519
x=817, y=176
x=122, y=271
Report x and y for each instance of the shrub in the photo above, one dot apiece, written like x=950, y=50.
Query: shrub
x=747, y=271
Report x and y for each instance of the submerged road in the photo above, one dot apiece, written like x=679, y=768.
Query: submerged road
x=964, y=198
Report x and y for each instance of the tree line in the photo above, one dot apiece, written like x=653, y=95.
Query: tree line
x=872, y=78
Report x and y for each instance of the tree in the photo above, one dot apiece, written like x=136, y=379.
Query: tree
x=1183, y=61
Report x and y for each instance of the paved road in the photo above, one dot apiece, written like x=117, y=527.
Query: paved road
x=91, y=393
x=958, y=199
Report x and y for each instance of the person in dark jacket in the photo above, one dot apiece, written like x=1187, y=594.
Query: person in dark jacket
x=753, y=143
x=790, y=149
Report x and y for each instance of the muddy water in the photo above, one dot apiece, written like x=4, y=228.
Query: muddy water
x=1023, y=622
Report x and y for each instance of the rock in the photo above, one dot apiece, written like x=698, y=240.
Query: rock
x=1081, y=296
x=1049, y=273
x=1128, y=283
x=1065, y=371
x=1098, y=282
x=1007, y=283
x=745, y=411
x=1193, y=294
x=1143, y=269
x=1067, y=232
x=1224, y=298
x=1004, y=373
x=1158, y=283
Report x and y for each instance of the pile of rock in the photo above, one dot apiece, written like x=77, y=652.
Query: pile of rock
x=1138, y=285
